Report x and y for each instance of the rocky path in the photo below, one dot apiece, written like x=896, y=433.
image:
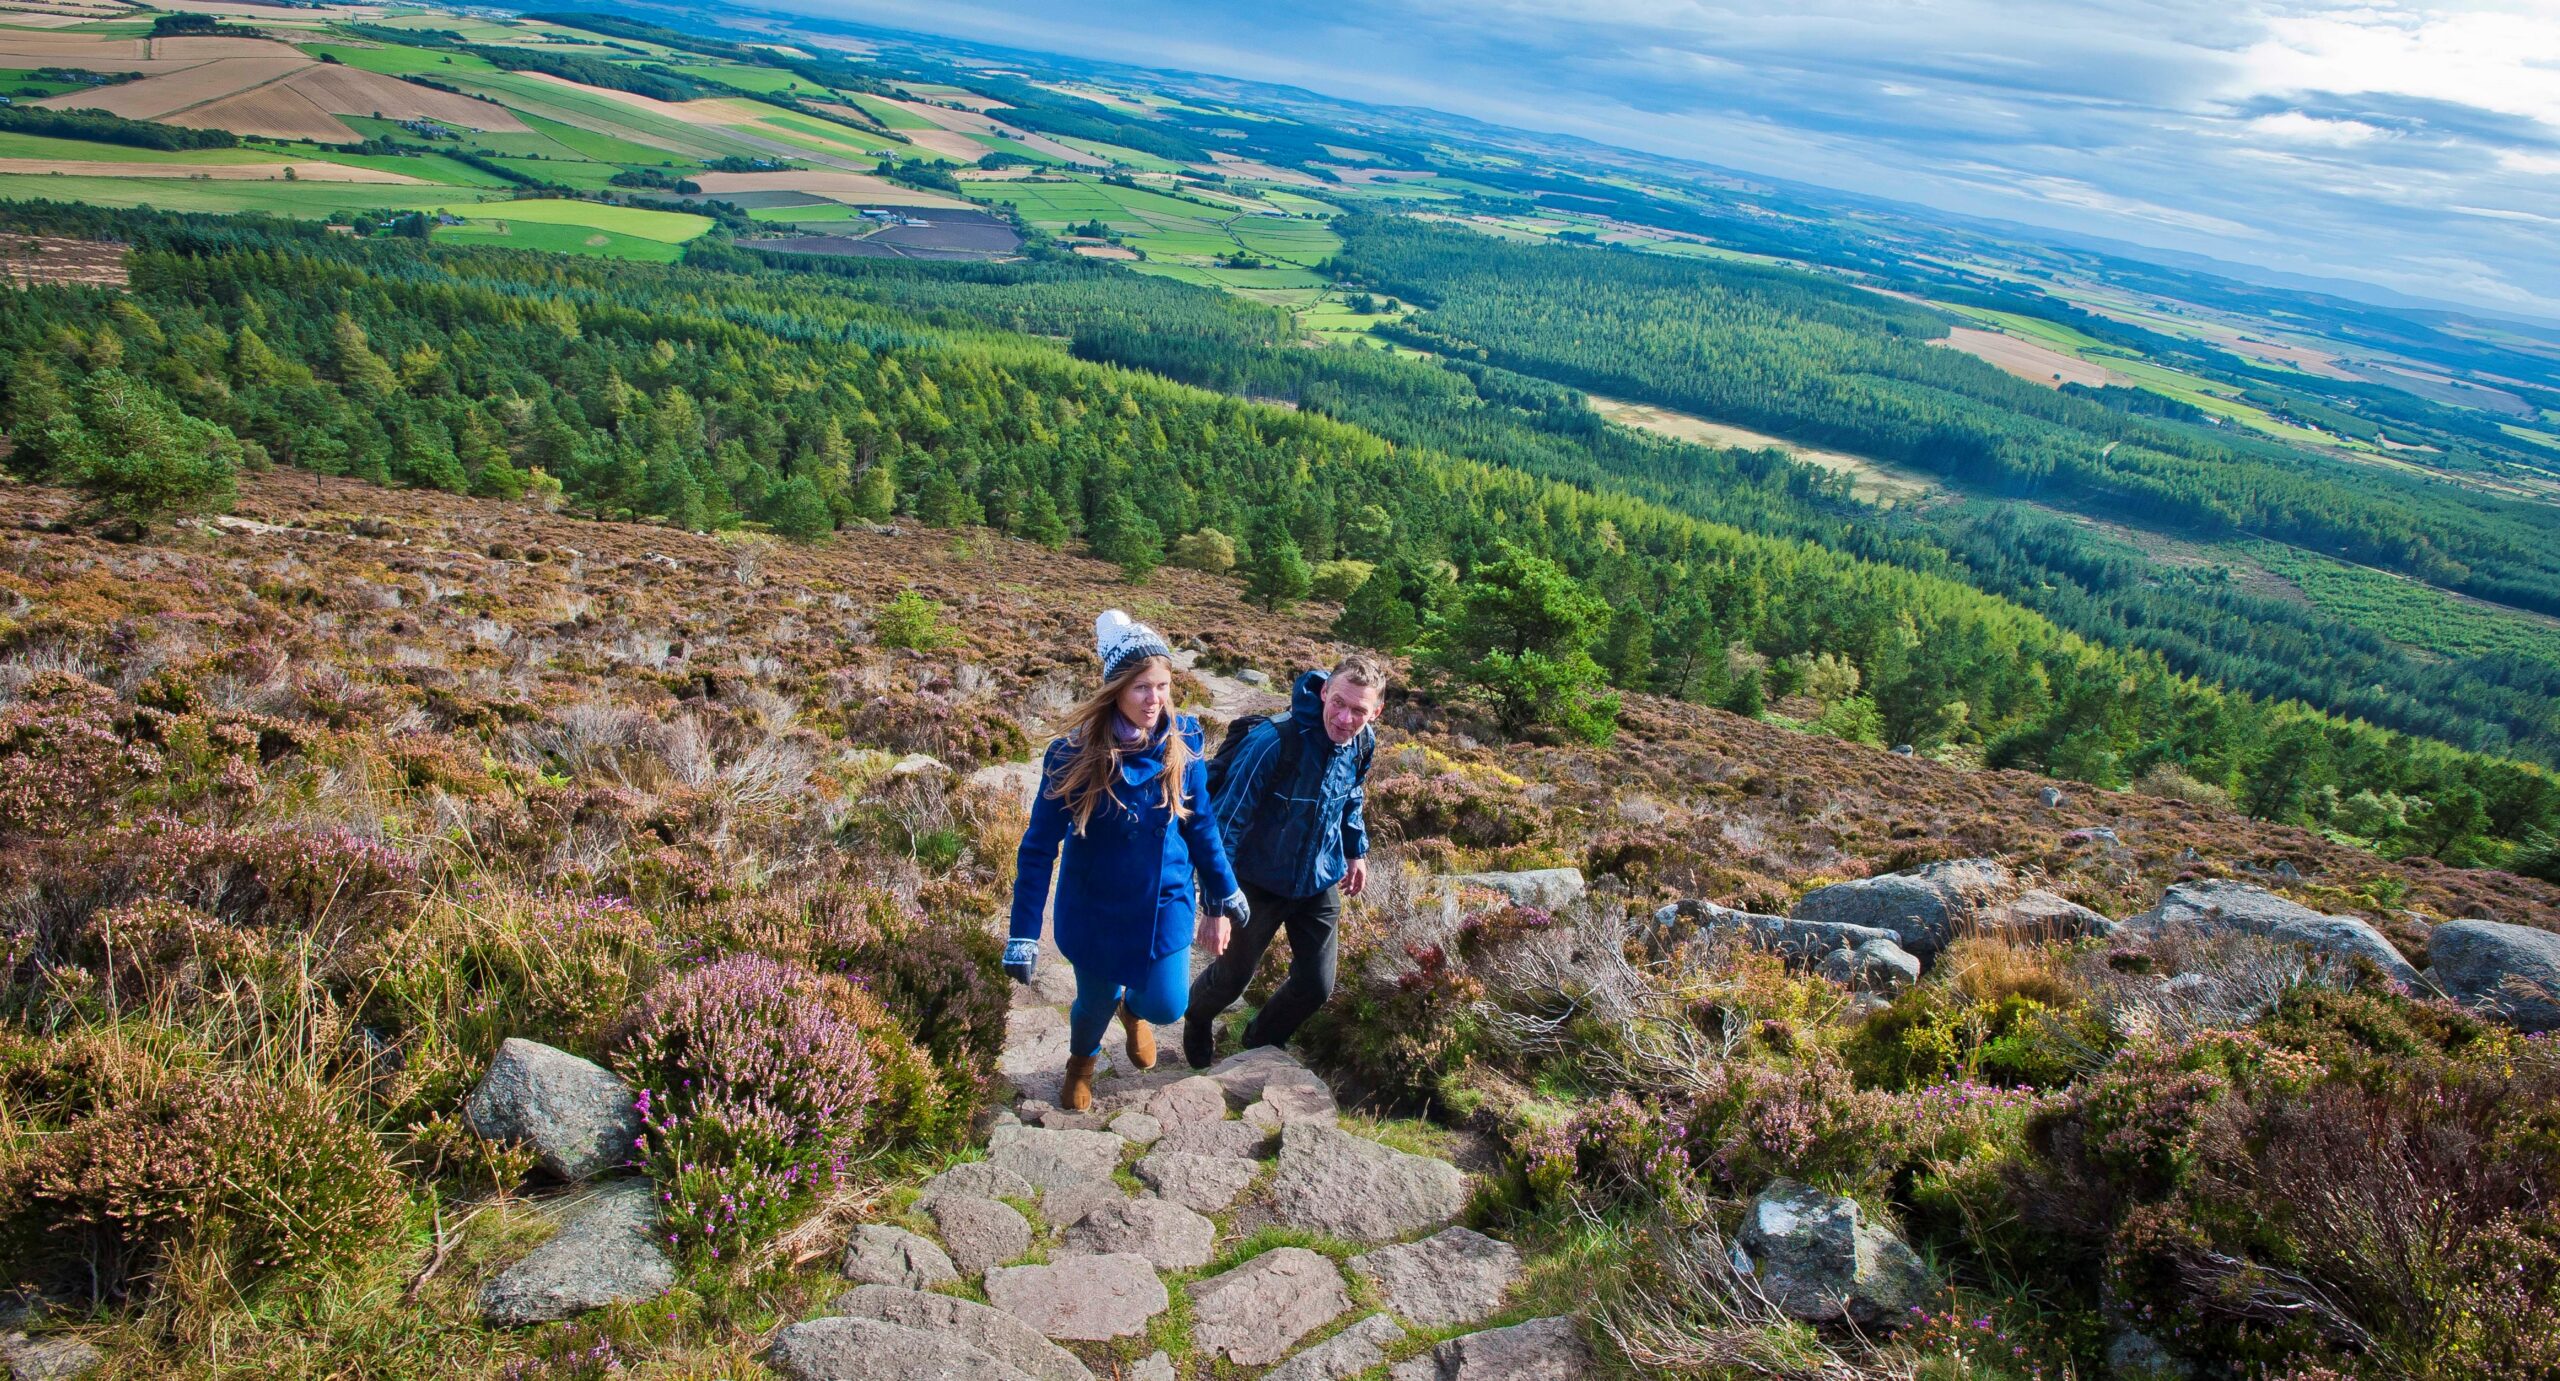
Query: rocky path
x=1184, y=1221
x=1190, y=1224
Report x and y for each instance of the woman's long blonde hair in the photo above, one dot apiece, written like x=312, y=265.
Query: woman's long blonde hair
x=1093, y=773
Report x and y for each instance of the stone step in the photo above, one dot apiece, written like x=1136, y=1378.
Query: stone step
x=852, y=1349
x=992, y=1331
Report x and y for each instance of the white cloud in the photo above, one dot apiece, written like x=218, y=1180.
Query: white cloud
x=2495, y=56
x=2294, y=127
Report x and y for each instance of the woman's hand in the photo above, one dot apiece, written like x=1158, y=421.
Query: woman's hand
x=1212, y=932
x=1021, y=958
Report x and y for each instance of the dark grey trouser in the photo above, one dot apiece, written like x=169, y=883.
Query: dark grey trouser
x=1310, y=923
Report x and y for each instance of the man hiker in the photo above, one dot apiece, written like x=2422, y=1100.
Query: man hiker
x=1287, y=791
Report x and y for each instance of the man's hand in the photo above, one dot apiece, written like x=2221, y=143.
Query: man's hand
x=1021, y=957
x=1212, y=932
x=1356, y=881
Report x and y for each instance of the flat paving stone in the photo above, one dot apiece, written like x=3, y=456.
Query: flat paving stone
x=1344, y=1355
x=1350, y=1187
x=1088, y=1298
x=1198, y=1098
x=1258, y=1311
x=1455, y=1276
x=979, y=1233
x=1244, y=1074
x=1539, y=1350
x=1138, y=1128
x=1052, y=1159
x=992, y=1331
x=979, y=1179
x=1238, y=1140
x=606, y=1252
x=1203, y=1184
x=1164, y=1232
x=839, y=1348
x=883, y=1255
x=1065, y=1207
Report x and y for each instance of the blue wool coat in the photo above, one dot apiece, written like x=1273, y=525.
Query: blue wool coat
x=1124, y=885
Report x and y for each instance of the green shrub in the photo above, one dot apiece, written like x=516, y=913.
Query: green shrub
x=1206, y=550
x=1339, y=580
x=913, y=621
x=272, y=1179
x=137, y=455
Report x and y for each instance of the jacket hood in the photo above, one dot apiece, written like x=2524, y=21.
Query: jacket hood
x=1306, y=699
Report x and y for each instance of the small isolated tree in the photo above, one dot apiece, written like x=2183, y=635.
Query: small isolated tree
x=137, y=456
x=912, y=621
x=1853, y=718
x=797, y=511
x=1522, y=636
x=1206, y=550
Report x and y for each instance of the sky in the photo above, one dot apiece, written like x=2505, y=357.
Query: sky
x=2411, y=145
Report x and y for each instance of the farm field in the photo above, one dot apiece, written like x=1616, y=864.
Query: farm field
x=1872, y=481
x=499, y=233
x=303, y=200
x=2029, y=360
x=662, y=227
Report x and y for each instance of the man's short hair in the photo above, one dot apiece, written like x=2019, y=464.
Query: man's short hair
x=1363, y=669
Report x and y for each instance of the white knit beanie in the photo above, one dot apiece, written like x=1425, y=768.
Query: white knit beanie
x=1119, y=640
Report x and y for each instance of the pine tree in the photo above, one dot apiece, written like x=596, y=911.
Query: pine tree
x=1378, y=615
x=1122, y=535
x=1279, y=575
x=1522, y=636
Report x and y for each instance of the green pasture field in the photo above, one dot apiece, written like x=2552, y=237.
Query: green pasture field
x=821, y=137
x=665, y=227
x=496, y=145
x=394, y=60
x=302, y=200
x=2544, y=439
x=600, y=128
x=430, y=167
x=22, y=81
x=16, y=145
x=895, y=117
x=1298, y=203
x=1127, y=157
x=826, y=211
x=558, y=239
x=769, y=81
x=582, y=174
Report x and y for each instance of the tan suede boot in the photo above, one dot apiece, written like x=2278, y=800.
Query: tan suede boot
x=1142, y=1039
x=1076, y=1094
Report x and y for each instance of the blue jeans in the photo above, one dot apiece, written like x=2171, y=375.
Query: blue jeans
x=1163, y=989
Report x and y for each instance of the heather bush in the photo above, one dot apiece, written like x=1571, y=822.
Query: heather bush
x=461, y=977
x=942, y=981
x=152, y=949
x=755, y=1084
x=1471, y=810
x=271, y=1178
x=1932, y=1033
x=316, y=880
x=963, y=735
x=64, y=764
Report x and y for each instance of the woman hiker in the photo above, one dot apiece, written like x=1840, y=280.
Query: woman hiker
x=1125, y=791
